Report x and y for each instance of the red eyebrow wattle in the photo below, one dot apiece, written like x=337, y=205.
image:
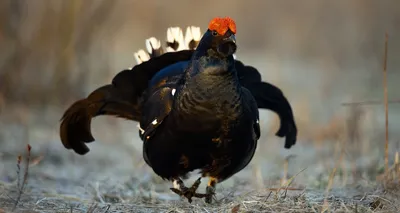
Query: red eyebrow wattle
x=222, y=25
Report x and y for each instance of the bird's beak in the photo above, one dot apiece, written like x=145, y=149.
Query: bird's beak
x=228, y=45
x=231, y=38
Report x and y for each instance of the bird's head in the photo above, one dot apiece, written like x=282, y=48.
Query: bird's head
x=219, y=39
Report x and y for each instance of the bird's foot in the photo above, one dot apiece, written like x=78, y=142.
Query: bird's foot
x=210, y=192
x=189, y=193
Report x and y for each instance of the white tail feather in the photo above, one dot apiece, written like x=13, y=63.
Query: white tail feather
x=174, y=34
x=141, y=56
x=192, y=33
x=188, y=36
x=152, y=44
x=137, y=59
x=196, y=32
x=170, y=34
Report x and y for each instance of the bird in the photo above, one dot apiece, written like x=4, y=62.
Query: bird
x=196, y=104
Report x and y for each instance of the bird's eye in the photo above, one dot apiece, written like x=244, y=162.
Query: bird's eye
x=214, y=33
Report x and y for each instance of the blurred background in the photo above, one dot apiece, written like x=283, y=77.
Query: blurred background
x=320, y=53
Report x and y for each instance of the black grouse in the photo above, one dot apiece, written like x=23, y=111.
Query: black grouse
x=197, y=107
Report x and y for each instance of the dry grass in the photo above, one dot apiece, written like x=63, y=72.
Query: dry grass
x=337, y=188
x=288, y=196
x=21, y=183
x=256, y=201
x=306, y=201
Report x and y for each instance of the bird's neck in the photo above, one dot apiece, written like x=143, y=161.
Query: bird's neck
x=211, y=73
x=209, y=63
x=209, y=85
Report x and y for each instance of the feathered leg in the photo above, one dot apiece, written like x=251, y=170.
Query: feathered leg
x=210, y=190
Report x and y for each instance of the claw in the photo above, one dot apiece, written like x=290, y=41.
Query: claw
x=189, y=193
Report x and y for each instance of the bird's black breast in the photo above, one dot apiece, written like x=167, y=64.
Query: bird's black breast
x=207, y=101
x=242, y=137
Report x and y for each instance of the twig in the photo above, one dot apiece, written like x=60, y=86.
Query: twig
x=330, y=182
x=21, y=186
x=269, y=195
x=288, y=189
x=92, y=208
x=288, y=183
x=370, y=102
x=27, y=162
x=19, y=159
x=397, y=165
x=286, y=168
x=385, y=92
x=108, y=208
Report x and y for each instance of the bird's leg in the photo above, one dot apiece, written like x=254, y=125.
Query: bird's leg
x=184, y=191
x=210, y=190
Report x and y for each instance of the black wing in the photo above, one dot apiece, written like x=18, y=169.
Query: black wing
x=158, y=99
x=267, y=95
x=124, y=98
x=251, y=106
x=121, y=98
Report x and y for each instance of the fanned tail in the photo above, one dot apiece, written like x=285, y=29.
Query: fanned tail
x=176, y=41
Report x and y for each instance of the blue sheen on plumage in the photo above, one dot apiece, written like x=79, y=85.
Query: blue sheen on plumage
x=171, y=70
